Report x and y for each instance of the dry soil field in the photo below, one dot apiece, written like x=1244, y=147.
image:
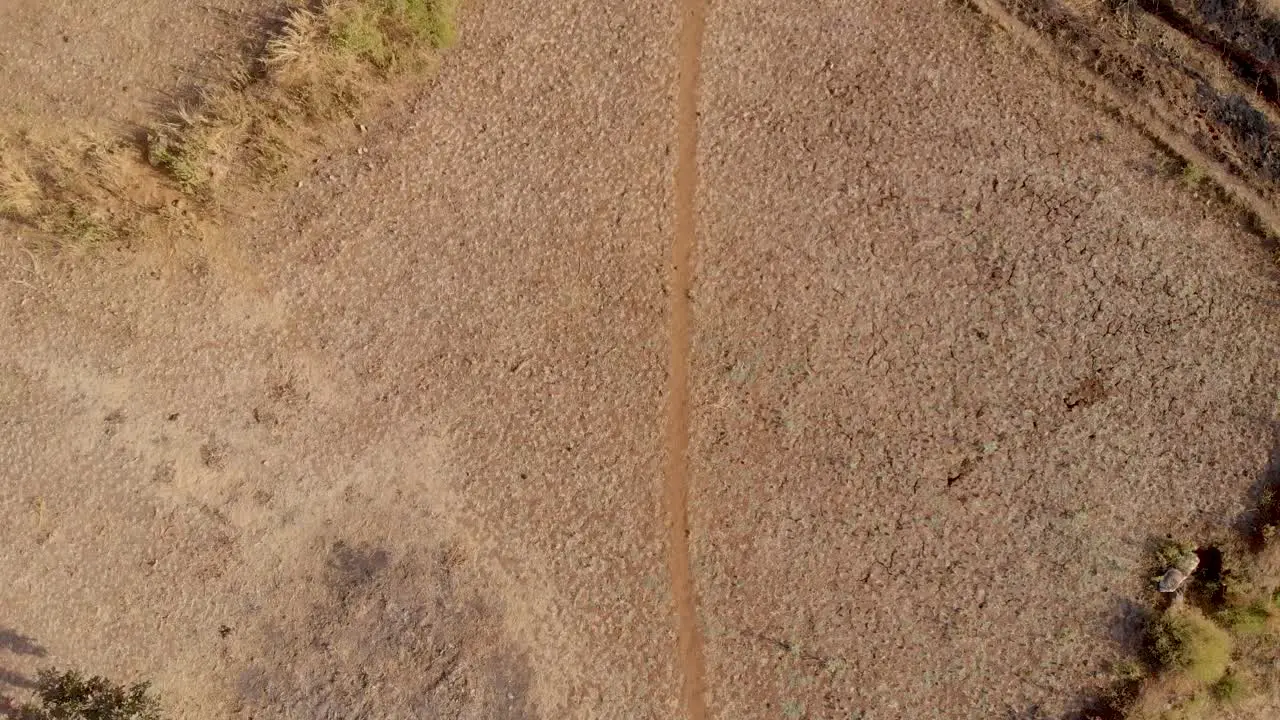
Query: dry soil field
x=652, y=359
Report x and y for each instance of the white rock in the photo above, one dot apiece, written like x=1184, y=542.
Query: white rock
x=1172, y=580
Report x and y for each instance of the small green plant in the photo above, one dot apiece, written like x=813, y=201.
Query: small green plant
x=1193, y=175
x=167, y=152
x=1231, y=688
x=430, y=21
x=359, y=32
x=1169, y=553
x=384, y=32
x=70, y=696
x=1183, y=639
x=1128, y=671
x=80, y=227
x=1249, y=620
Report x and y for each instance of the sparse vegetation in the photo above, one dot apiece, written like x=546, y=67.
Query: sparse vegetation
x=70, y=696
x=320, y=69
x=1251, y=620
x=327, y=61
x=1208, y=644
x=1230, y=689
x=1193, y=175
x=76, y=188
x=1183, y=640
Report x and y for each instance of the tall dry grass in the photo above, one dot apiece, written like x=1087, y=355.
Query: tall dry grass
x=328, y=59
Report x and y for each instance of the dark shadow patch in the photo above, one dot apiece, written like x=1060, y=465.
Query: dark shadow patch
x=1208, y=589
x=15, y=643
x=508, y=688
x=14, y=680
x=1246, y=27
x=351, y=568
x=9, y=709
x=389, y=635
x=1254, y=135
x=1129, y=625
x=1132, y=631
x=9, y=682
x=19, y=644
x=1109, y=707
x=1264, y=519
x=253, y=687
x=1235, y=31
x=1080, y=41
x=1085, y=393
x=960, y=472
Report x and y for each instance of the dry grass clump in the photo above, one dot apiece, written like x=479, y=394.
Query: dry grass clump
x=322, y=67
x=82, y=189
x=327, y=61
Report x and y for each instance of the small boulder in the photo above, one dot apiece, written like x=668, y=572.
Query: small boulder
x=1172, y=580
x=1175, y=577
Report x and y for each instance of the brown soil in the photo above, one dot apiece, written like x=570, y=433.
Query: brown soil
x=1207, y=72
x=70, y=62
x=959, y=347
x=962, y=353
x=680, y=335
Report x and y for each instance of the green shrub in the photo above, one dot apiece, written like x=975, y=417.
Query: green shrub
x=1169, y=552
x=1184, y=639
x=1249, y=620
x=385, y=32
x=1230, y=688
x=70, y=696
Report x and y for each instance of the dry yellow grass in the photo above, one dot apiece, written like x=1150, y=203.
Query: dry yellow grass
x=323, y=66
x=83, y=189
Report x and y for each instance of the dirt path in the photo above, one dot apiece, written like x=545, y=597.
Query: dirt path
x=676, y=470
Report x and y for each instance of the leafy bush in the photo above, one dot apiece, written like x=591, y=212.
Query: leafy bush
x=1249, y=620
x=70, y=696
x=1183, y=639
x=1230, y=689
